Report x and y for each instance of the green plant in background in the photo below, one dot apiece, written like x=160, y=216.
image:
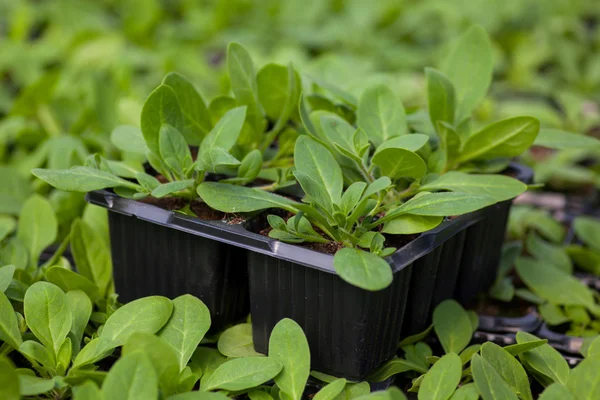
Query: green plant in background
x=548, y=272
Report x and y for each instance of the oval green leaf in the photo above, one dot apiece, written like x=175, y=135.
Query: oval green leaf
x=507, y=138
x=498, y=187
x=289, y=346
x=362, y=269
x=132, y=377
x=243, y=373
x=452, y=326
x=441, y=380
x=48, y=314
x=187, y=326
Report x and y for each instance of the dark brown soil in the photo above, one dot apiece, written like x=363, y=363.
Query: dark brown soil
x=202, y=210
x=327, y=248
x=168, y=203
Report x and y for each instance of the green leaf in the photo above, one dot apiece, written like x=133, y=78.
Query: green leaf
x=239, y=199
x=215, y=157
x=594, y=348
x=441, y=380
x=36, y=352
x=132, y=377
x=362, y=269
x=9, y=380
x=243, y=373
x=351, y=197
x=469, y=66
x=585, y=259
x=81, y=179
x=503, y=290
x=278, y=91
x=47, y=314
x=584, y=381
x=148, y=314
x=314, y=160
x=498, y=187
x=509, y=369
x=289, y=346
x=14, y=191
x=87, y=391
x=37, y=226
x=399, y=163
x=557, y=139
x=452, y=326
x=162, y=357
x=187, y=326
x=251, y=165
x=381, y=115
x=237, y=341
x=32, y=385
x=168, y=188
x=466, y=392
x=226, y=132
x=519, y=348
x=81, y=310
x=6, y=275
x=544, y=359
x=587, y=230
x=331, y=390
x=416, y=337
x=413, y=142
x=68, y=280
x=129, y=138
x=341, y=133
x=196, y=119
x=354, y=391
x=243, y=84
x=440, y=97
x=9, y=327
x=7, y=226
x=92, y=255
x=548, y=252
x=441, y=204
x=556, y=391
x=94, y=351
x=552, y=314
x=506, y=138
x=394, y=367
x=490, y=384
x=199, y=396
x=554, y=285
x=409, y=224
x=173, y=149
x=205, y=362
x=161, y=107
x=259, y=395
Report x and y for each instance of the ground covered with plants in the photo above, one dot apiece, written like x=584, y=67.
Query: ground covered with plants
x=325, y=200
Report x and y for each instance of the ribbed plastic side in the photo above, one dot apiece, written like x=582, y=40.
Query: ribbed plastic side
x=350, y=331
x=527, y=323
x=433, y=280
x=150, y=259
x=482, y=251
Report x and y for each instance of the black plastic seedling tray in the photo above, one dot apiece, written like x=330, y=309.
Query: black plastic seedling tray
x=560, y=341
x=350, y=331
x=529, y=322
